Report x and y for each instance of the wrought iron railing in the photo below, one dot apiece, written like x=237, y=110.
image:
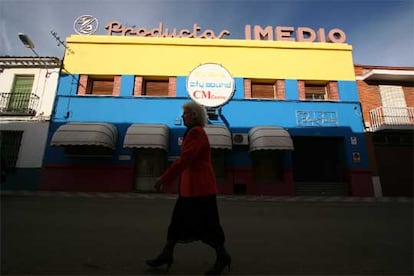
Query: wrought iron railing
x=392, y=117
x=18, y=103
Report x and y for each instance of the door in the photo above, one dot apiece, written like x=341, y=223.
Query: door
x=319, y=166
x=150, y=164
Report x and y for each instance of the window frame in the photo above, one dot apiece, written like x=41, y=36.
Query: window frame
x=315, y=87
x=92, y=79
x=157, y=81
x=20, y=96
x=264, y=83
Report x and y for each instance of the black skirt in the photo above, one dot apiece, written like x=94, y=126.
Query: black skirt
x=196, y=219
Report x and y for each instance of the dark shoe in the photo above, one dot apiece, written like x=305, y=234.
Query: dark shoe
x=162, y=259
x=222, y=261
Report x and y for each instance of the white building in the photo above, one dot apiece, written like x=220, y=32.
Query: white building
x=27, y=94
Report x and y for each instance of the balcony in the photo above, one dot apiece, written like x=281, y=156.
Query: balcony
x=18, y=104
x=398, y=118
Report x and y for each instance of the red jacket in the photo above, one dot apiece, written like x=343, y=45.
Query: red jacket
x=194, y=166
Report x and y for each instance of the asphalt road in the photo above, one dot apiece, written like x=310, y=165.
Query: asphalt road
x=113, y=235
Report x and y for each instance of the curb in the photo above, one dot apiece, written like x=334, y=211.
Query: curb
x=219, y=197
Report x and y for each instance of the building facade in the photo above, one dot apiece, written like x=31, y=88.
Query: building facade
x=387, y=99
x=27, y=92
x=292, y=125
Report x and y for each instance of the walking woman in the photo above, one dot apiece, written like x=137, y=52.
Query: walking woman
x=195, y=216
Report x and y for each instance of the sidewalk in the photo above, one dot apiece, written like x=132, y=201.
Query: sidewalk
x=221, y=197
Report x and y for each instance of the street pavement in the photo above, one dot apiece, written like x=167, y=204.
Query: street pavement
x=46, y=233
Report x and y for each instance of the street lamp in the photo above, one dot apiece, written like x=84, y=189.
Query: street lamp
x=25, y=39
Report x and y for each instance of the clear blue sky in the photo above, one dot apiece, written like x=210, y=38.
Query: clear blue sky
x=381, y=32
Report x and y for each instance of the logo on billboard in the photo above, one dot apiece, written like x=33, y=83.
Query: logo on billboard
x=85, y=25
x=210, y=85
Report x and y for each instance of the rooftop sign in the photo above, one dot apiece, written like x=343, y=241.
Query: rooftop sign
x=87, y=24
x=115, y=27
x=301, y=34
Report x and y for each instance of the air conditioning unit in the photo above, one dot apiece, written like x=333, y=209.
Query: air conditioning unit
x=240, y=139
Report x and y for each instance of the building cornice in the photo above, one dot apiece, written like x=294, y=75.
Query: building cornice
x=29, y=62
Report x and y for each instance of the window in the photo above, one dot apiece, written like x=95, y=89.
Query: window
x=394, y=106
x=315, y=92
x=218, y=161
x=263, y=90
x=155, y=87
x=160, y=86
x=20, y=95
x=150, y=162
x=267, y=166
x=100, y=85
x=10, y=146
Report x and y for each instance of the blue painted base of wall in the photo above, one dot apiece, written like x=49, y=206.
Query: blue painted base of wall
x=22, y=179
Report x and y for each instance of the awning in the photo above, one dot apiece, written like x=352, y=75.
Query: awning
x=85, y=134
x=147, y=136
x=218, y=136
x=269, y=138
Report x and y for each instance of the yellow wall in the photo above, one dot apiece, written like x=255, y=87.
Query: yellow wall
x=148, y=56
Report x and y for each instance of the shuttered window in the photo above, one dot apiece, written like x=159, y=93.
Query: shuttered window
x=150, y=162
x=392, y=96
x=263, y=90
x=267, y=166
x=315, y=92
x=102, y=85
x=23, y=84
x=394, y=106
x=155, y=88
x=20, y=94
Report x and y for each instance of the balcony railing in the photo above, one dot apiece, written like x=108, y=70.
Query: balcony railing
x=18, y=103
x=392, y=118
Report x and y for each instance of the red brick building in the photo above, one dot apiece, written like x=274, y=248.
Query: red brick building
x=387, y=101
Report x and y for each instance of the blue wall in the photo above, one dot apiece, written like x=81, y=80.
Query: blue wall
x=239, y=114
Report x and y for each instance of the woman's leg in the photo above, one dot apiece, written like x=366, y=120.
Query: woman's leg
x=223, y=259
x=215, y=237
x=165, y=257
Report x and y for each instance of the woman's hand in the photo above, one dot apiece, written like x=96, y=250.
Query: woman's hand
x=157, y=186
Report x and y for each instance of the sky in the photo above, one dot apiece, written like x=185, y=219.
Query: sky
x=381, y=32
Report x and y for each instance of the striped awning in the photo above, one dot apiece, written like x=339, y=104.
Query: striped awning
x=218, y=136
x=269, y=138
x=85, y=134
x=147, y=136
